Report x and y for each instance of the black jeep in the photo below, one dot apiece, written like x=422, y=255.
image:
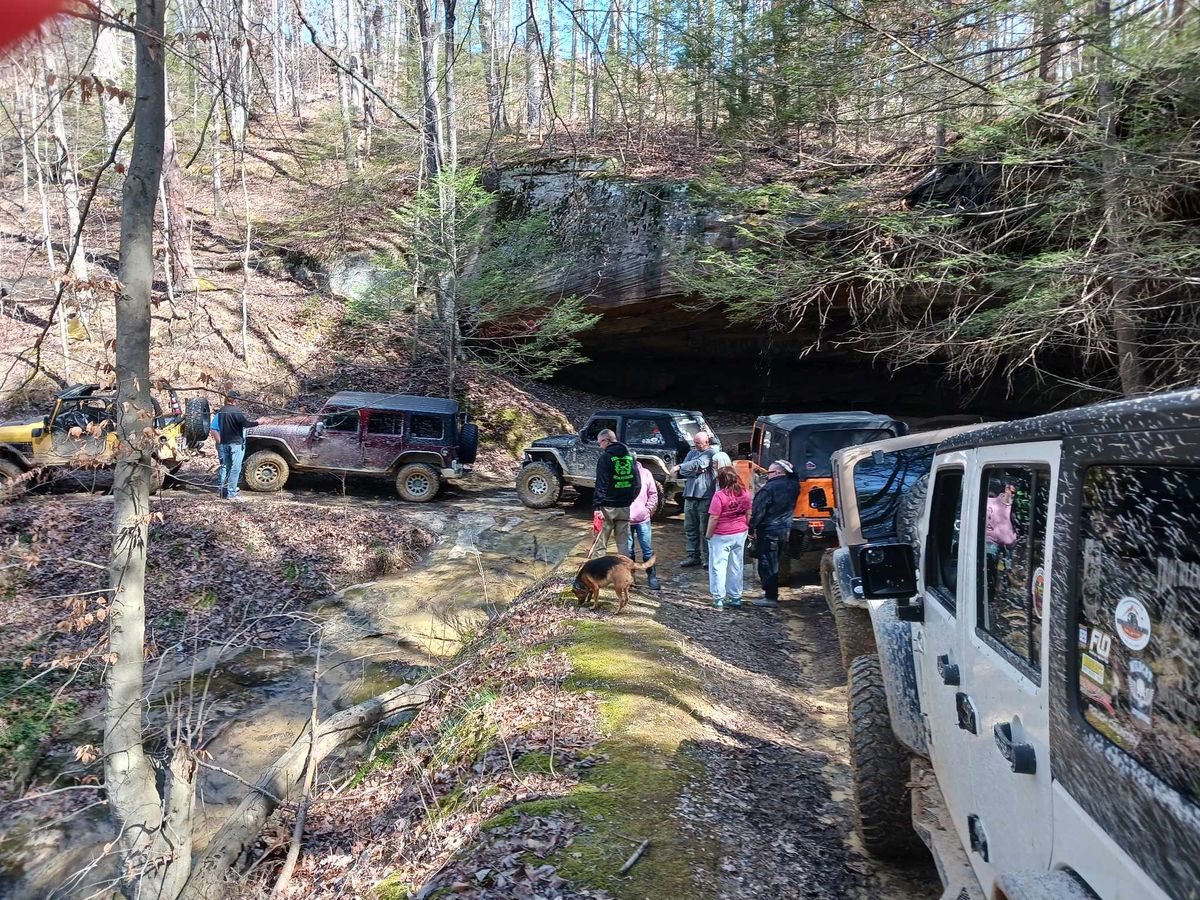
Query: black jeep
x=659, y=438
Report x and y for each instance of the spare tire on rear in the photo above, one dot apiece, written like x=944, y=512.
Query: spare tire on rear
x=197, y=416
x=468, y=443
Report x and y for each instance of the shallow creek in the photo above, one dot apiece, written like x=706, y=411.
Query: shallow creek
x=372, y=637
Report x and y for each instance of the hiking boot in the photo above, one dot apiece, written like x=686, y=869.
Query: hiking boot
x=764, y=601
x=690, y=563
x=652, y=580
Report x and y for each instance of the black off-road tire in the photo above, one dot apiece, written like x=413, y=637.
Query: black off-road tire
x=11, y=485
x=856, y=637
x=265, y=472
x=539, y=485
x=197, y=417
x=912, y=507
x=660, y=508
x=418, y=482
x=879, y=767
x=468, y=443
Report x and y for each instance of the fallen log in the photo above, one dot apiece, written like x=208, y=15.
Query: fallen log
x=282, y=783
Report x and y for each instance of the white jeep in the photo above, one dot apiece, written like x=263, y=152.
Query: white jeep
x=1033, y=711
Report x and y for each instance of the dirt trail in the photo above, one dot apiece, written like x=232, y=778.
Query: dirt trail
x=773, y=791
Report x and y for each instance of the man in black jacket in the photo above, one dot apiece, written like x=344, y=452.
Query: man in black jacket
x=617, y=486
x=771, y=522
x=229, y=432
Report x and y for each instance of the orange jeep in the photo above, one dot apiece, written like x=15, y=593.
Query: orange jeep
x=807, y=440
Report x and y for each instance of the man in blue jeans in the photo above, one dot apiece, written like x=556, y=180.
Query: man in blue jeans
x=228, y=429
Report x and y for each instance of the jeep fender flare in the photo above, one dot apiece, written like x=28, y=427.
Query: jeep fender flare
x=546, y=454
x=845, y=578
x=15, y=456
x=254, y=444
x=419, y=456
x=893, y=637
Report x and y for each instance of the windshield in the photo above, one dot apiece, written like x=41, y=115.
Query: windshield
x=880, y=482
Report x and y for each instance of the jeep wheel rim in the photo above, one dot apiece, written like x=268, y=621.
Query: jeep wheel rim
x=538, y=485
x=266, y=474
x=417, y=484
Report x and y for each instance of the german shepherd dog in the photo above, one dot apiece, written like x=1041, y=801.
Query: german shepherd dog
x=616, y=571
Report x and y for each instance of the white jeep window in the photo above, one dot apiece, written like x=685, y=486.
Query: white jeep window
x=941, y=544
x=340, y=420
x=596, y=426
x=1138, y=669
x=643, y=431
x=1011, y=578
x=427, y=428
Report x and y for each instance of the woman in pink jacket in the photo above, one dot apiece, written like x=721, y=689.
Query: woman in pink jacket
x=640, y=512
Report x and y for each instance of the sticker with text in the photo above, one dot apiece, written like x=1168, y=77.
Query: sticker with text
x=1092, y=668
x=1141, y=690
x=1039, y=591
x=1100, y=645
x=1133, y=623
x=1083, y=637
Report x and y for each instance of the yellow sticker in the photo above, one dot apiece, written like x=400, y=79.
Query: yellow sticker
x=1092, y=668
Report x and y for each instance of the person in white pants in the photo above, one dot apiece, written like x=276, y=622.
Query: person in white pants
x=728, y=524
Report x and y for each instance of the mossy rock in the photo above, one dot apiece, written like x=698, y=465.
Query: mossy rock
x=652, y=710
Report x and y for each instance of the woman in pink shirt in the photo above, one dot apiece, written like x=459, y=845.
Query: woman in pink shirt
x=728, y=523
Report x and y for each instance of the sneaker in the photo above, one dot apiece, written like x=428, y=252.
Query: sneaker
x=238, y=498
x=733, y=602
x=764, y=601
x=719, y=604
x=690, y=563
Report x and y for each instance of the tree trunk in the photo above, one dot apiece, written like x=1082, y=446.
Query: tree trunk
x=1129, y=358
x=179, y=243
x=219, y=109
x=577, y=14
x=533, y=71
x=491, y=64
x=109, y=66
x=241, y=75
x=47, y=234
x=155, y=828
x=63, y=163
x=448, y=86
x=296, y=45
x=431, y=115
x=349, y=149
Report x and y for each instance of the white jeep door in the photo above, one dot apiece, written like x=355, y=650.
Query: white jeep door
x=1007, y=539
x=937, y=640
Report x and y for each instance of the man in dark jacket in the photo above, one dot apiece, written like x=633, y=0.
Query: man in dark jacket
x=771, y=522
x=229, y=431
x=617, y=485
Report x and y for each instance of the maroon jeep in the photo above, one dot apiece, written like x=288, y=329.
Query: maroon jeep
x=418, y=441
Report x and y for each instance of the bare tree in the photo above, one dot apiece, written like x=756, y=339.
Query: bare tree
x=108, y=65
x=179, y=229
x=154, y=821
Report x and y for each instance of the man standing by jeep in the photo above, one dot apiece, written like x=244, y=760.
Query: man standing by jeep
x=229, y=431
x=617, y=485
x=770, y=522
x=701, y=474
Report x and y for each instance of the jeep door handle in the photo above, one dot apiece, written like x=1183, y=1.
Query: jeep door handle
x=948, y=672
x=1020, y=757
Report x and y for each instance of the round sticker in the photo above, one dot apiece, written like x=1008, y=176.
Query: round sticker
x=1133, y=623
x=1039, y=590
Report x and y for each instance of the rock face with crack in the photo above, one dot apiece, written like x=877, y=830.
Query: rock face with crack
x=624, y=239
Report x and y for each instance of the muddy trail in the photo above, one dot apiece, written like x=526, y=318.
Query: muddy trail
x=772, y=790
x=744, y=709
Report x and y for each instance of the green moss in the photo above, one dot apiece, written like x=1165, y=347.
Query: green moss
x=392, y=888
x=535, y=763
x=649, y=713
x=28, y=715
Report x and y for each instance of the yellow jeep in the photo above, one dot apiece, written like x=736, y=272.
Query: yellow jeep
x=80, y=433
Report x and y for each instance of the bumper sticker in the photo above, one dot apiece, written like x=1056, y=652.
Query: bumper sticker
x=1141, y=690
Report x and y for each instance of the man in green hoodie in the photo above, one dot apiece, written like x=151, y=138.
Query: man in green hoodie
x=617, y=485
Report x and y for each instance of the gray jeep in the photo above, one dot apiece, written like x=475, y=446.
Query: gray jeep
x=1033, y=708
x=880, y=489
x=659, y=438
